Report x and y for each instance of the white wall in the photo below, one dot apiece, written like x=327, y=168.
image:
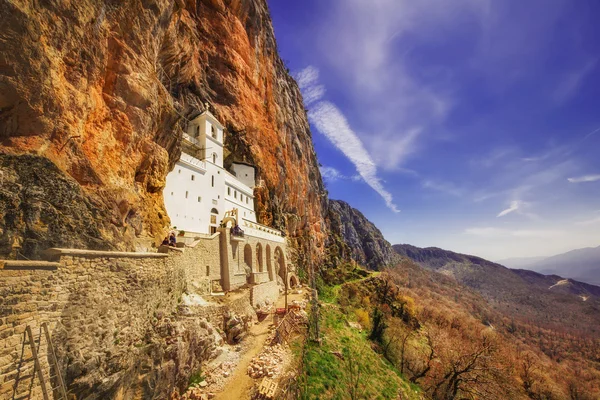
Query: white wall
x=188, y=212
x=240, y=196
x=244, y=174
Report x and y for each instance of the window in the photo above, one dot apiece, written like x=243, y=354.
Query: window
x=199, y=199
x=208, y=270
x=213, y=131
x=172, y=193
x=193, y=177
x=228, y=191
x=179, y=171
x=241, y=197
x=246, y=200
x=213, y=230
x=186, y=194
x=235, y=194
x=197, y=130
x=214, y=158
x=212, y=181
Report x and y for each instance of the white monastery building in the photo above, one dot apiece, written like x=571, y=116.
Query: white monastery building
x=199, y=190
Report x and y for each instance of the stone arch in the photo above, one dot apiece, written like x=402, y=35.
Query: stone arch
x=293, y=281
x=280, y=264
x=269, y=263
x=227, y=220
x=248, y=256
x=259, y=257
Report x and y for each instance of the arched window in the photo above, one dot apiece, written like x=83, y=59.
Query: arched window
x=214, y=157
x=212, y=181
x=213, y=131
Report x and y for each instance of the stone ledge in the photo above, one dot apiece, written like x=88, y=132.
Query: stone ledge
x=164, y=249
x=25, y=265
x=55, y=252
x=201, y=238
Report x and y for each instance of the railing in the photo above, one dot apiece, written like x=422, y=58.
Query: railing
x=191, y=139
x=192, y=160
x=258, y=230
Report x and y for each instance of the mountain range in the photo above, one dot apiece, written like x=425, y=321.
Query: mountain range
x=546, y=300
x=580, y=264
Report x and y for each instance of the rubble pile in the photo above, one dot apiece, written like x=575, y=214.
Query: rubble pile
x=196, y=394
x=235, y=327
x=269, y=363
x=299, y=303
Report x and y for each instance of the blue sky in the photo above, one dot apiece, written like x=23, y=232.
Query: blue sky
x=471, y=125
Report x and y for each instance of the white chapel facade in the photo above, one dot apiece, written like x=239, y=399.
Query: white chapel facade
x=199, y=190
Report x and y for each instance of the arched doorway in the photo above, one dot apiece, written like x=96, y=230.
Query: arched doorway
x=269, y=264
x=259, y=257
x=280, y=264
x=212, y=227
x=293, y=281
x=248, y=256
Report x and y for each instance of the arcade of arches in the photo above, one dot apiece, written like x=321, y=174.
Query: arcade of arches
x=250, y=259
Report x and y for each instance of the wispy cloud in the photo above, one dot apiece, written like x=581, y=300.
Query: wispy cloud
x=573, y=81
x=514, y=206
x=331, y=122
x=585, y=178
x=443, y=187
x=592, y=133
x=332, y=174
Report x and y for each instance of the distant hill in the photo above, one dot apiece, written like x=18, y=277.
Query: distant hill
x=519, y=262
x=581, y=264
x=522, y=294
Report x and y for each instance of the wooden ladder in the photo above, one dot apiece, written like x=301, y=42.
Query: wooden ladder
x=59, y=392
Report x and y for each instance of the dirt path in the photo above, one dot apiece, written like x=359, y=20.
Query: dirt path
x=239, y=384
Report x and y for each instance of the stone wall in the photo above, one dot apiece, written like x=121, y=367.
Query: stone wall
x=200, y=261
x=264, y=293
x=112, y=313
x=103, y=310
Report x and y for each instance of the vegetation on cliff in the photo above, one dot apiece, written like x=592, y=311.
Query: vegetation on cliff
x=452, y=342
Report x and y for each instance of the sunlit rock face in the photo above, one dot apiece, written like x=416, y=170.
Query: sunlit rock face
x=102, y=89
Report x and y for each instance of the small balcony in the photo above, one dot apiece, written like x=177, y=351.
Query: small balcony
x=191, y=139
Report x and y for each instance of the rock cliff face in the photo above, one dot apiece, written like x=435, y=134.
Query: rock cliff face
x=102, y=90
x=364, y=243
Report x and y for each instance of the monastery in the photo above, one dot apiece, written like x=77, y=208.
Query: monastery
x=205, y=201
